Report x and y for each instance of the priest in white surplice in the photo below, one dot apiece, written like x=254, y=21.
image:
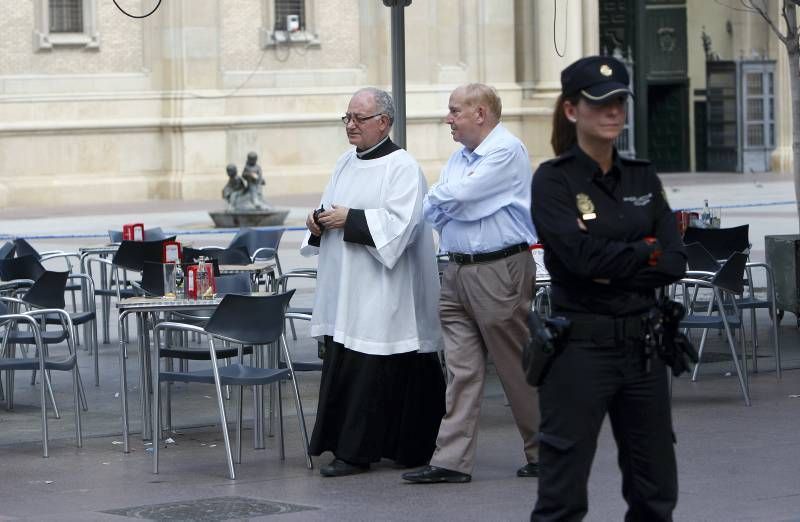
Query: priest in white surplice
x=375, y=307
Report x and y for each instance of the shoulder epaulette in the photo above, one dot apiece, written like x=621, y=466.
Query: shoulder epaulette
x=634, y=161
x=559, y=159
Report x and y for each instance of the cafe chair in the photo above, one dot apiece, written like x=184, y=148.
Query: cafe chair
x=699, y=259
x=111, y=284
x=246, y=321
x=303, y=366
x=23, y=248
x=283, y=284
x=752, y=302
x=226, y=284
x=8, y=250
x=702, y=264
x=720, y=242
x=261, y=245
x=47, y=293
x=130, y=257
x=177, y=347
x=224, y=256
x=43, y=362
x=722, y=313
x=20, y=272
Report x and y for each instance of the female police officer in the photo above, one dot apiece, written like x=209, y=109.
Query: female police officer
x=610, y=240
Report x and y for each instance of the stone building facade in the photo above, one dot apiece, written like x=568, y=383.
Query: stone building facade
x=123, y=109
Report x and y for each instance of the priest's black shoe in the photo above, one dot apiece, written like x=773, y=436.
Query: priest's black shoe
x=531, y=469
x=340, y=468
x=432, y=475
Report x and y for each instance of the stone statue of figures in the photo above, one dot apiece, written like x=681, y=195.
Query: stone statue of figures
x=245, y=192
x=234, y=189
x=253, y=197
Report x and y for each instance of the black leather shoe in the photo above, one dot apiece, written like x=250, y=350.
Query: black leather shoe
x=531, y=469
x=432, y=475
x=340, y=468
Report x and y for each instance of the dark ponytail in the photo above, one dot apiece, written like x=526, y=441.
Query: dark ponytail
x=563, y=136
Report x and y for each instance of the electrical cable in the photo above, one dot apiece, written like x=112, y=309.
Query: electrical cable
x=249, y=76
x=566, y=21
x=238, y=88
x=126, y=13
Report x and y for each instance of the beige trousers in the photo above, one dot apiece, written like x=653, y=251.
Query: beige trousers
x=483, y=309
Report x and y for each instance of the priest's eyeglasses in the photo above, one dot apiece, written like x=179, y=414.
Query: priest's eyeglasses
x=358, y=120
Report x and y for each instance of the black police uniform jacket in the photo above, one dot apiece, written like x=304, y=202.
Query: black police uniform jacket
x=604, y=270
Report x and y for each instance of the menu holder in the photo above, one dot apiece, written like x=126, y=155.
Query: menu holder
x=171, y=252
x=200, y=282
x=133, y=232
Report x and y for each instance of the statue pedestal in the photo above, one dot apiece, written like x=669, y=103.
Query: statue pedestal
x=249, y=218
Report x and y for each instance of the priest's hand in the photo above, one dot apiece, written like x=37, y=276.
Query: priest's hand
x=312, y=225
x=334, y=218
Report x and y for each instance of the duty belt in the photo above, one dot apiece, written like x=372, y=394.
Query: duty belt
x=483, y=257
x=598, y=328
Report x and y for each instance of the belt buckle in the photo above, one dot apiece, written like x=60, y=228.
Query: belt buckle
x=462, y=259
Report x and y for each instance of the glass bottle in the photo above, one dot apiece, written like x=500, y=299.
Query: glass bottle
x=202, y=278
x=705, y=215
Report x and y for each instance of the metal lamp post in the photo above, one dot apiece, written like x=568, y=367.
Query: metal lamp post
x=399, y=68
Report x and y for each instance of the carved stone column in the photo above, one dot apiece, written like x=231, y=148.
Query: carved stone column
x=591, y=27
x=782, y=155
x=183, y=53
x=568, y=41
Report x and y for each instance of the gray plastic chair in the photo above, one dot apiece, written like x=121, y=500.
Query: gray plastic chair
x=260, y=244
x=722, y=313
x=244, y=320
x=43, y=362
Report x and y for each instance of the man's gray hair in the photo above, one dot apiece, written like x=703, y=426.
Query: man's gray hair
x=384, y=103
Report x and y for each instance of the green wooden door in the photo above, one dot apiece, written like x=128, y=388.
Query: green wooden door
x=668, y=127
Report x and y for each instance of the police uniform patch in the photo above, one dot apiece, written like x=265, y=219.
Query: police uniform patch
x=639, y=201
x=585, y=206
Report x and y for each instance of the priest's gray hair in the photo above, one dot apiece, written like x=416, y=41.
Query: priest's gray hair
x=384, y=103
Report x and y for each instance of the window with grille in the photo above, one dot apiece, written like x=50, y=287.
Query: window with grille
x=66, y=16
x=759, y=108
x=284, y=8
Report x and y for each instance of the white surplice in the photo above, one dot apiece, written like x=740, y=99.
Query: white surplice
x=379, y=300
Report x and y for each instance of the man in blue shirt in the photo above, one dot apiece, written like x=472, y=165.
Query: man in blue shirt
x=481, y=210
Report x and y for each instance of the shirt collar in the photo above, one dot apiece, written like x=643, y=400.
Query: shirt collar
x=593, y=168
x=484, y=146
x=362, y=153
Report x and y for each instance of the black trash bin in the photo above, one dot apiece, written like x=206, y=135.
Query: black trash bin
x=783, y=256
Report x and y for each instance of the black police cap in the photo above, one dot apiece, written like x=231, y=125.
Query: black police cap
x=596, y=78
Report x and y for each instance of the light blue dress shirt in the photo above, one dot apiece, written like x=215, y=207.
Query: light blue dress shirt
x=482, y=202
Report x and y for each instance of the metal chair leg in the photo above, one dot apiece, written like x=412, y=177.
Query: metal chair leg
x=77, y=405
x=43, y=399
x=699, y=354
x=239, y=407
x=731, y=345
x=298, y=406
x=221, y=406
x=282, y=446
